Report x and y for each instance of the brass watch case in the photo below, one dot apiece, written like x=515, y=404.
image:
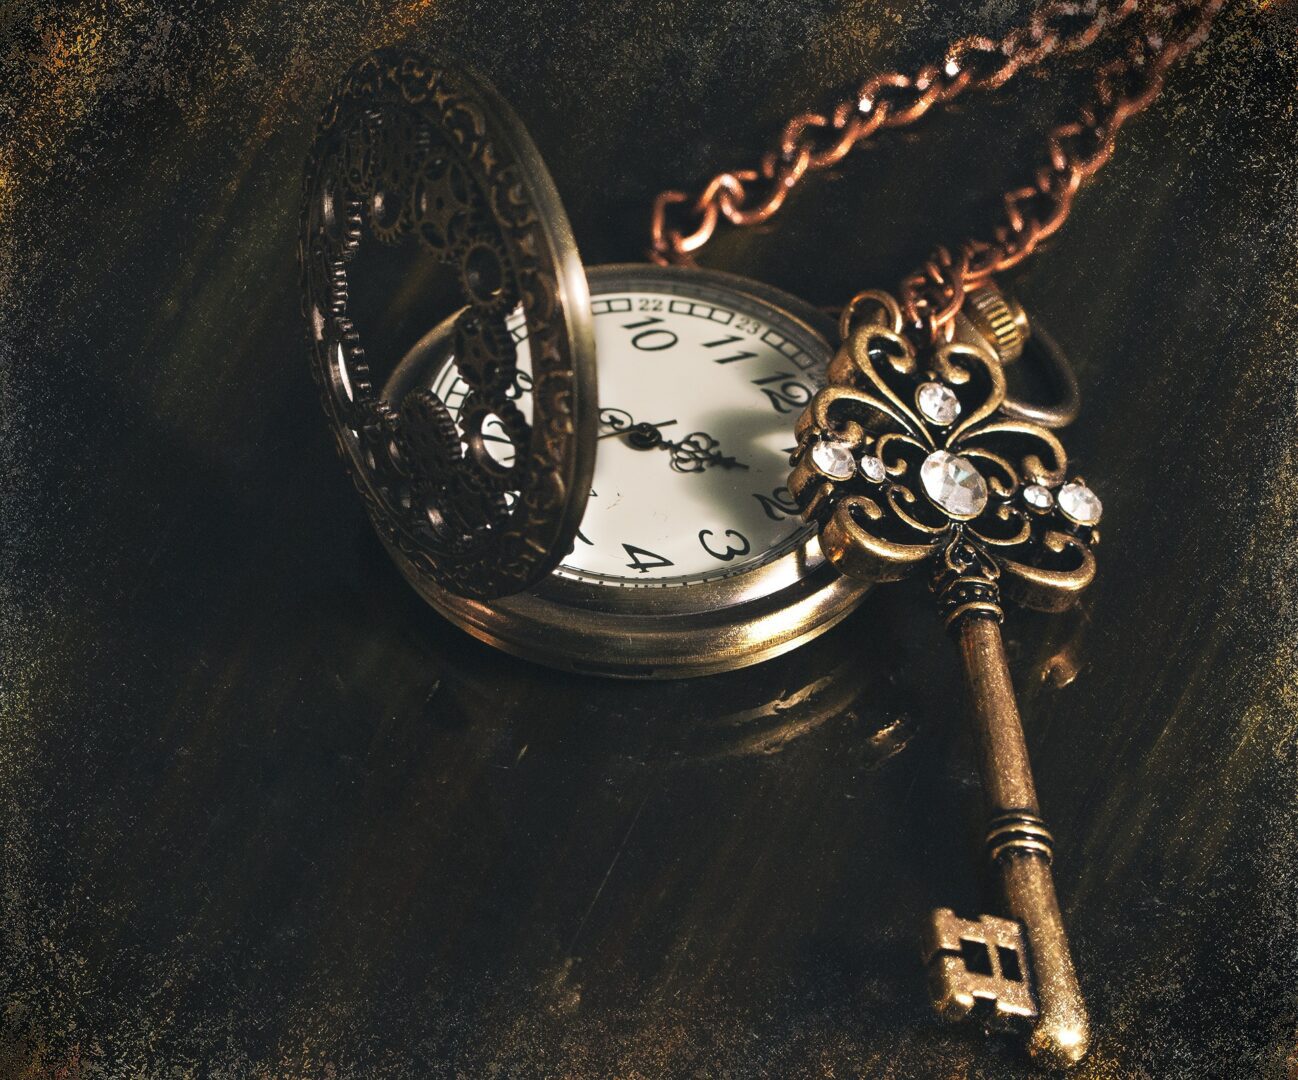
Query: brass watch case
x=697, y=629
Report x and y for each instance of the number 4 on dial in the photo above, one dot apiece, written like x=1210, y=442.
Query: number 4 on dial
x=644, y=565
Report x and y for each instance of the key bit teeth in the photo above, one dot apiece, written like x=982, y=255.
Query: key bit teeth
x=978, y=969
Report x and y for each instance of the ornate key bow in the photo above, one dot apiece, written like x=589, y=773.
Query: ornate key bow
x=908, y=460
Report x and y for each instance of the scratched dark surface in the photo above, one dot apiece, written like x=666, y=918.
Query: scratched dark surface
x=265, y=815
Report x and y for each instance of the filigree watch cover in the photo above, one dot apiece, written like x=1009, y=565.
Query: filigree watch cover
x=412, y=149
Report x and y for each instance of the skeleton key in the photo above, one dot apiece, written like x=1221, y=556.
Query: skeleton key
x=913, y=456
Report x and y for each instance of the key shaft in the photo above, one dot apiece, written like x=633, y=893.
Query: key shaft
x=1018, y=842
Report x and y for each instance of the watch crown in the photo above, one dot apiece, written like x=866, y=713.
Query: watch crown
x=1000, y=320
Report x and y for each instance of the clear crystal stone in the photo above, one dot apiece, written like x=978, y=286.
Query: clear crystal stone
x=872, y=468
x=1080, y=504
x=937, y=403
x=1038, y=497
x=833, y=458
x=953, y=484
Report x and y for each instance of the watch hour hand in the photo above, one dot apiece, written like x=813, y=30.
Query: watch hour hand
x=696, y=452
x=641, y=435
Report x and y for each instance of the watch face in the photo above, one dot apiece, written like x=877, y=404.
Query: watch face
x=699, y=386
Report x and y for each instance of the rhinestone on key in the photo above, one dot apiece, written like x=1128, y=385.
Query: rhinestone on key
x=1080, y=504
x=937, y=403
x=834, y=458
x=872, y=468
x=1038, y=497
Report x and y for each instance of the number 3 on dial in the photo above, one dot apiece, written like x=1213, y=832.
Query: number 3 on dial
x=743, y=548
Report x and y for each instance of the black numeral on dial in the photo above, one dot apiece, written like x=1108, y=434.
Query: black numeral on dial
x=742, y=547
x=742, y=354
x=778, y=505
x=649, y=561
x=786, y=397
x=652, y=339
x=522, y=384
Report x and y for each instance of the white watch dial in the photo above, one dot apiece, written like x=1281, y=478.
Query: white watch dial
x=699, y=390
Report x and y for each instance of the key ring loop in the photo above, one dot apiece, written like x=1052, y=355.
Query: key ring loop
x=1043, y=350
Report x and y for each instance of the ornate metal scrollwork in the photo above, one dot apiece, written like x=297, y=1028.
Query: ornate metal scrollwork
x=406, y=148
x=907, y=459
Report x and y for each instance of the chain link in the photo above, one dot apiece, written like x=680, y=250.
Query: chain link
x=682, y=223
x=931, y=296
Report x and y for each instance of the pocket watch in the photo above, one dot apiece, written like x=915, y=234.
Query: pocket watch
x=691, y=556
x=584, y=467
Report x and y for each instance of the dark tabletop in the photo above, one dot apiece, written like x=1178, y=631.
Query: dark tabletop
x=264, y=814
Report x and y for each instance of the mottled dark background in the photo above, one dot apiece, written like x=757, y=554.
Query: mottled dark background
x=264, y=815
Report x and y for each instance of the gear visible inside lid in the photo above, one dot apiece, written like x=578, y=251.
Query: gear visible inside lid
x=410, y=149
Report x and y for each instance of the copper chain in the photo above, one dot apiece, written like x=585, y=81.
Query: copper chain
x=1076, y=150
x=811, y=141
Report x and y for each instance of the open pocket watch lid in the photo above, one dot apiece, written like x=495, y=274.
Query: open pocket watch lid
x=409, y=148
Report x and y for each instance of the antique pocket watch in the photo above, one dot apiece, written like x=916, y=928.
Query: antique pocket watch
x=641, y=529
